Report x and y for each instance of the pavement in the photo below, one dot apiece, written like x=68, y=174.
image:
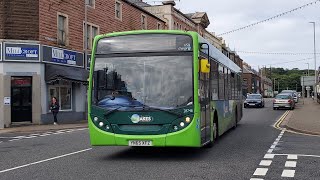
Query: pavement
x=42, y=128
x=305, y=118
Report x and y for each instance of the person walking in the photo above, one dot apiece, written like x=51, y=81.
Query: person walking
x=54, y=107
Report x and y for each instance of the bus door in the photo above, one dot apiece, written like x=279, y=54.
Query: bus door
x=204, y=100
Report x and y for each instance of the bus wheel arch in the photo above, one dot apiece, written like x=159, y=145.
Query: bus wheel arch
x=215, y=126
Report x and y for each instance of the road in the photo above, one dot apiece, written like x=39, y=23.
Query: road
x=254, y=150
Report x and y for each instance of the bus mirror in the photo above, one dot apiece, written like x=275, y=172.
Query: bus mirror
x=204, y=66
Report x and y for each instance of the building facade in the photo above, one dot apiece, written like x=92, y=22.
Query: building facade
x=42, y=53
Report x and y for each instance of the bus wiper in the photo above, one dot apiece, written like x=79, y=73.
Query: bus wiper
x=163, y=110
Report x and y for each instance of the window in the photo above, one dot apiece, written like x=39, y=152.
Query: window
x=174, y=25
x=159, y=26
x=221, y=82
x=214, y=80
x=180, y=27
x=63, y=93
x=92, y=31
x=91, y=3
x=118, y=10
x=62, y=29
x=143, y=22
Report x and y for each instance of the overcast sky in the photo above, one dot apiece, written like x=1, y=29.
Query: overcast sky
x=289, y=33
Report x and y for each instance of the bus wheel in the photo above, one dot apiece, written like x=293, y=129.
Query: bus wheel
x=235, y=120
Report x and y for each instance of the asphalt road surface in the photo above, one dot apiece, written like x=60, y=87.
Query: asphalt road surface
x=254, y=150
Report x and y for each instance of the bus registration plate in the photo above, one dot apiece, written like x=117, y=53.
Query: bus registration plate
x=140, y=143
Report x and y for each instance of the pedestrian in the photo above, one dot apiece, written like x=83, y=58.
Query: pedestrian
x=54, y=107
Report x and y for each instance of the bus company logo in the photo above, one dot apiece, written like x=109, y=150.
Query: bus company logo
x=135, y=118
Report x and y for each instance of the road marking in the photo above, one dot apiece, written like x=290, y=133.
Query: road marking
x=292, y=157
x=268, y=156
x=273, y=146
x=45, y=160
x=270, y=150
x=260, y=172
x=14, y=140
x=291, y=164
x=0, y=141
x=256, y=179
x=288, y=173
x=265, y=163
x=302, y=155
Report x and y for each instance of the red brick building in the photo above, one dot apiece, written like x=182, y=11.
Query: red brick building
x=42, y=53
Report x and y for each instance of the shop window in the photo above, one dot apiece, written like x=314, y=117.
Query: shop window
x=118, y=10
x=62, y=29
x=63, y=93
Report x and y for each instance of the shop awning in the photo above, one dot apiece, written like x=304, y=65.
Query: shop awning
x=55, y=73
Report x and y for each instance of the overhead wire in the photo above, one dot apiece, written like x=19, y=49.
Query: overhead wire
x=268, y=19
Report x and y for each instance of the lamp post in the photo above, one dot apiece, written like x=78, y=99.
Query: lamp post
x=315, y=57
x=308, y=69
x=86, y=3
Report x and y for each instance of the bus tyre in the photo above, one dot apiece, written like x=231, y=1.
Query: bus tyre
x=235, y=120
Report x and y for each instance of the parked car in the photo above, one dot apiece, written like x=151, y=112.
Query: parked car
x=254, y=100
x=294, y=94
x=284, y=100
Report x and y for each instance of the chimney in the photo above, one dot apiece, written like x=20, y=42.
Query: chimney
x=169, y=2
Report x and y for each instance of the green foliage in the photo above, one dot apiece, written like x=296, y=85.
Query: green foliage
x=288, y=79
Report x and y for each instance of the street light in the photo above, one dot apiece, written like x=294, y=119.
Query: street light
x=314, y=53
x=86, y=3
x=308, y=69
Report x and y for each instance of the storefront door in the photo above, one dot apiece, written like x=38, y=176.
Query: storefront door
x=21, y=99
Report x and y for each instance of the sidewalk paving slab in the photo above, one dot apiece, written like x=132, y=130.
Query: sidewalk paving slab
x=305, y=118
x=41, y=128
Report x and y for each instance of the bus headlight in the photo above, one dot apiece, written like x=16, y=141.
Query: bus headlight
x=182, y=124
x=188, y=119
x=101, y=124
x=95, y=119
x=175, y=128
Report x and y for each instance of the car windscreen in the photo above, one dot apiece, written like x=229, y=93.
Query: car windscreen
x=254, y=97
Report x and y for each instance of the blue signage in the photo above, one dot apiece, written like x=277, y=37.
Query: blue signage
x=21, y=52
x=62, y=56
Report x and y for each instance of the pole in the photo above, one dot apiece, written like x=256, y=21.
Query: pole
x=85, y=30
x=315, y=57
x=308, y=69
x=278, y=86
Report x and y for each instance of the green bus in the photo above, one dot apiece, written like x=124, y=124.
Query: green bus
x=161, y=88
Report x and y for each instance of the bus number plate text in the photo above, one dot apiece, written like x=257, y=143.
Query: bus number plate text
x=140, y=143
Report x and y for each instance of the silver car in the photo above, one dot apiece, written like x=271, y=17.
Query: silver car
x=284, y=100
x=294, y=94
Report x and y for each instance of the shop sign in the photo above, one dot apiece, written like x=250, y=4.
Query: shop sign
x=21, y=52
x=62, y=56
x=7, y=101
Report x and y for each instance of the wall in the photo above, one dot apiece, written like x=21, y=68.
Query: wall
x=19, y=19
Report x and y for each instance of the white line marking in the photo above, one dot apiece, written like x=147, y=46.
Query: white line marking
x=303, y=155
x=275, y=143
x=256, y=179
x=0, y=141
x=44, y=135
x=288, y=173
x=269, y=156
x=14, y=140
x=260, y=172
x=292, y=157
x=34, y=134
x=57, y=157
x=265, y=163
x=270, y=150
x=278, y=139
x=291, y=164
x=273, y=146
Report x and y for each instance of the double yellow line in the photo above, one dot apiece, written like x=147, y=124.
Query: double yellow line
x=281, y=119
